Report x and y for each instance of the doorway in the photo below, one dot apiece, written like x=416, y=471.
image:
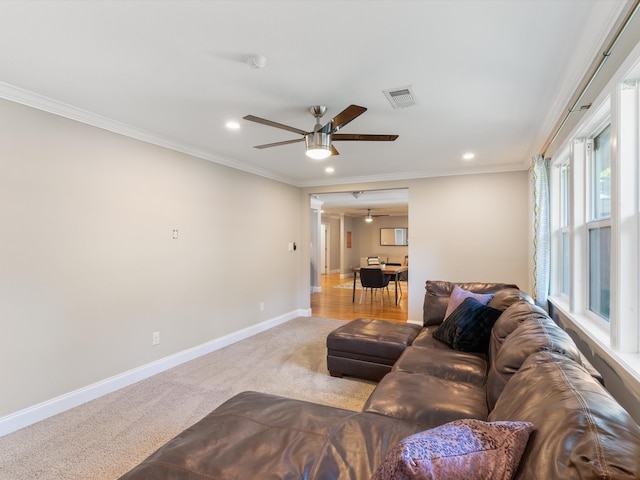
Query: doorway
x=325, y=248
x=342, y=228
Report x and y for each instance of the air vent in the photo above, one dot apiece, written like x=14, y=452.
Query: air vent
x=401, y=97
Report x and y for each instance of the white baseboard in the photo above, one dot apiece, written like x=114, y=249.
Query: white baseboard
x=28, y=416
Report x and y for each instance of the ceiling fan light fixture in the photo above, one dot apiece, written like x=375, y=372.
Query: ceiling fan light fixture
x=318, y=145
x=368, y=218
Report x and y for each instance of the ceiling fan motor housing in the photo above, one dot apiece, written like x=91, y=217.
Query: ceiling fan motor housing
x=318, y=140
x=318, y=110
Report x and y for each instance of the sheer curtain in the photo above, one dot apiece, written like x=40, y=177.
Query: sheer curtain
x=540, y=264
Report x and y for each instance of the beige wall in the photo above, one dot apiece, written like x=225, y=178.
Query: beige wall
x=89, y=268
x=365, y=240
x=367, y=237
x=467, y=228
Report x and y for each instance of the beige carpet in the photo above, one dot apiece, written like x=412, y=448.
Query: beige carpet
x=103, y=439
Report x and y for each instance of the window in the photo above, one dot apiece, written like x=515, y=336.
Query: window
x=595, y=241
x=600, y=271
x=599, y=226
x=565, y=256
x=601, y=168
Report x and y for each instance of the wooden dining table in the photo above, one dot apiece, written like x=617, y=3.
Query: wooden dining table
x=394, y=270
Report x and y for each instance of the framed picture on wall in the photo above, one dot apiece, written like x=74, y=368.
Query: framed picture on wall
x=394, y=236
x=348, y=239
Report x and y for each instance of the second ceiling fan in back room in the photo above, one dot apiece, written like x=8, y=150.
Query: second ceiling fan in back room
x=369, y=218
x=319, y=141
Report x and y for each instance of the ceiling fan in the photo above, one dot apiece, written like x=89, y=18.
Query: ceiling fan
x=319, y=140
x=369, y=218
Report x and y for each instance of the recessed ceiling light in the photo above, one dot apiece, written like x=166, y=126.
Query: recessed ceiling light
x=468, y=156
x=329, y=169
x=233, y=125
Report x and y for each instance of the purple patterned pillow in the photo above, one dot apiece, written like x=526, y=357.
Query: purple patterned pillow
x=459, y=294
x=462, y=449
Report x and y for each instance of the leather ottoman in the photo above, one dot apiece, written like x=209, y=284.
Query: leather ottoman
x=367, y=348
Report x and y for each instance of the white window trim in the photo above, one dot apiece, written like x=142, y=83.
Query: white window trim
x=625, y=212
x=594, y=128
x=557, y=228
x=599, y=336
x=618, y=340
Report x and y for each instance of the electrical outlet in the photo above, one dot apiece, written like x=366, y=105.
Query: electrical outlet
x=262, y=306
x=155, y=338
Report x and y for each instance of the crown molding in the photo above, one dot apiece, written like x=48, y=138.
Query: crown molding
x=46, y=104
x=416, y=175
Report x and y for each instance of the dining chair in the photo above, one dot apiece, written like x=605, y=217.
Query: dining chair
x=373, y=279
x=404, y=276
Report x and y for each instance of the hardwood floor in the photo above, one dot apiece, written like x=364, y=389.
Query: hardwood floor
x=336, y=302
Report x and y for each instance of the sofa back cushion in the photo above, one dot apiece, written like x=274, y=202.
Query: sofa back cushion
x=438, y=292
x=512, y=318
x=533, y=335
x=580, y=431
x=507, y=296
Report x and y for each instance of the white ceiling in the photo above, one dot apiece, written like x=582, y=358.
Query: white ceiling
x=393, y=202
x=491, y=77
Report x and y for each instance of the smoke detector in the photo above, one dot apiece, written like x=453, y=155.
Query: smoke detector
x=401, y=97
x=256, y=61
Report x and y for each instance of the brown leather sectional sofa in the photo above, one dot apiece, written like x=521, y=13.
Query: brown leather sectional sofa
x=531, y=372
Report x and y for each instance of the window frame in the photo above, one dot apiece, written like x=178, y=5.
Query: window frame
x=593, y=221
x=619, y=105
x=560, y=216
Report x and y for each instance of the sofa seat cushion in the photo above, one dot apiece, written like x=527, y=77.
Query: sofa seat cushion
x=425, y=339
x=255, y=435
x=426, y=400
x=443, y=363
x=581, y=431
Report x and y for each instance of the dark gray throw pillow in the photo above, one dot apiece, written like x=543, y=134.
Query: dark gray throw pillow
x=468, y=327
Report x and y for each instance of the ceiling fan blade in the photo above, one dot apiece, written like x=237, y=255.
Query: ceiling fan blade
x=363, y=137
x=334, y=151
x=277, y=144
x=271, y=123
x=346, y=116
